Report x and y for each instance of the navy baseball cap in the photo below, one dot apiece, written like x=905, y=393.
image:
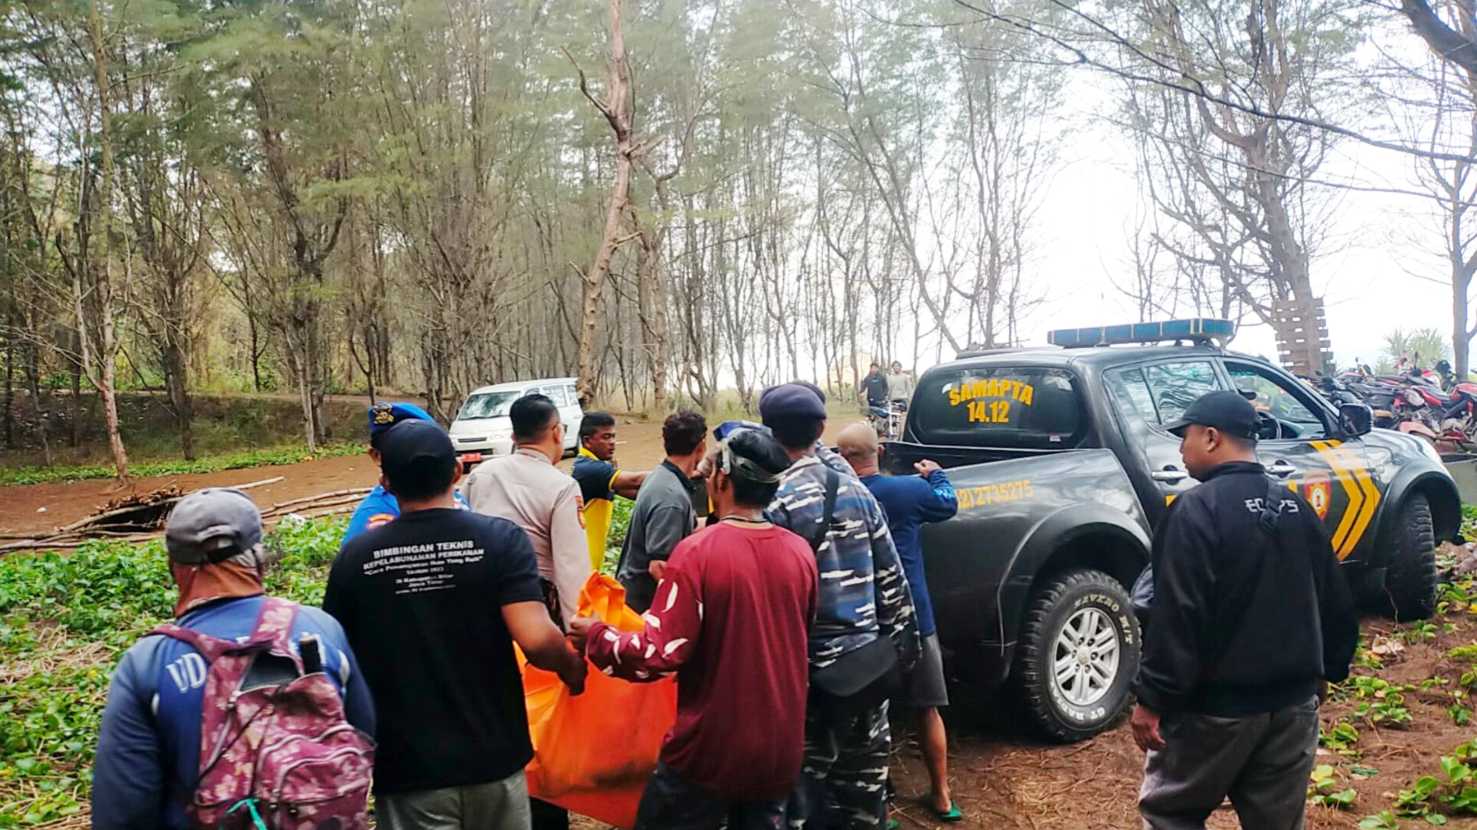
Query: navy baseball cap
x=791, y=400
x=1229, y=412
x=410, y=449
x=383, y=415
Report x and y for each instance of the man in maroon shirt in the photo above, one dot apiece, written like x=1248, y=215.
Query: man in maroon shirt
x=731, y=617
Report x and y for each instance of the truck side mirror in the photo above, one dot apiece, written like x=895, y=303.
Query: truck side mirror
x=1355, y=419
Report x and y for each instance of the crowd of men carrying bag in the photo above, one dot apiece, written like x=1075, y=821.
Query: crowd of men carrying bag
x=801, y=601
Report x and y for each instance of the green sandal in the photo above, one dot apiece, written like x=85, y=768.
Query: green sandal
x=949, y=816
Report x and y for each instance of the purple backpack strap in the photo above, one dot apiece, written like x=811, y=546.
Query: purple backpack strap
x=209, y=647
x=274, y=625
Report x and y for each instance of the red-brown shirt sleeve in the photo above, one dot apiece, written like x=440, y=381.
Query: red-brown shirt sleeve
x=672, y=626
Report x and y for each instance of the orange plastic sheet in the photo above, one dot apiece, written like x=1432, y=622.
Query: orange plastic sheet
x=592, y=754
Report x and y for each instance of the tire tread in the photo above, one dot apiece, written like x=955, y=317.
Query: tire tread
x=1029, y=657
x=1410, y=580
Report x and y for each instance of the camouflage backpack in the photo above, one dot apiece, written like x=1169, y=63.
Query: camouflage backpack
x=275, y=756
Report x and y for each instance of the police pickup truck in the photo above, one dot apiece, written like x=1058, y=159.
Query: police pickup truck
x=1062, y=467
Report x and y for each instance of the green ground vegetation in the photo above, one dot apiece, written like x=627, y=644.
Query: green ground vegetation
x=237, y=460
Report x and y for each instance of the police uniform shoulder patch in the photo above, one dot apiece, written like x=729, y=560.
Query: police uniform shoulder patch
x=579, y=507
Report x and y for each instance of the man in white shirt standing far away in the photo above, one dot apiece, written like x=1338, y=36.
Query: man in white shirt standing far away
x=528, y=490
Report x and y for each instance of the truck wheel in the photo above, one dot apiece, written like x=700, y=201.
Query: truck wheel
x=1410, y=577
x=1078, y=653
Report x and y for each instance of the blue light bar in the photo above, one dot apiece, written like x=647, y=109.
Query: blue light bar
x=1198, y=329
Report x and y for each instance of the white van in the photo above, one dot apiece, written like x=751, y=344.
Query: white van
x=482, y=426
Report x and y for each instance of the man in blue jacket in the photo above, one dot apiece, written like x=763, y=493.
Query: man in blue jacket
x=148, y=753
x=380, y=506
x=909, y=502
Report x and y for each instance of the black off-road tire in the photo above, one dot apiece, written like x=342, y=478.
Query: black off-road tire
x=1033, y=679
x=1410, y=576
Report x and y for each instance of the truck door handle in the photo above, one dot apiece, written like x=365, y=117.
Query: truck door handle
x=1281, y=468
x=1169, y=475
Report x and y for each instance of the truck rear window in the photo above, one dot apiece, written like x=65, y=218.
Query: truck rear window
x=1027, y=407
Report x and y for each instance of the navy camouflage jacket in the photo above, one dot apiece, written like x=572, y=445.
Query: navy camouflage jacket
x=863, y=591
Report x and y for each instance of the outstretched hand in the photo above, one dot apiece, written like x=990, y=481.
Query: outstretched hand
x=573, y=673
x=926, y=467
x=579, y=632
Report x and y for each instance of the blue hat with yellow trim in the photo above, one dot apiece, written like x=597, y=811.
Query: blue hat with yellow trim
x=382, y=416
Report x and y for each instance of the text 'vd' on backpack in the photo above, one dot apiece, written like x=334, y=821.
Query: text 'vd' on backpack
x=276, y=754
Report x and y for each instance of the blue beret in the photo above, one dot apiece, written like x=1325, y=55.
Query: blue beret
x=382, y=416
x=790, y=400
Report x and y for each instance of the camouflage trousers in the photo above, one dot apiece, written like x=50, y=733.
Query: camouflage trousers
x=843, y=779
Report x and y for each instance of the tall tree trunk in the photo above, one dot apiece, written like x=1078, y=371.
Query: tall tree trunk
x=617, y=111
x=651, y=303
x=75, y=438
x=10, y=373
x=41, y=404
x=103, y=264
x=173, y=359
x=1461, y=343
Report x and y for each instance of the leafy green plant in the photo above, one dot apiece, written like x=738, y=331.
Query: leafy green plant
x=1381, y=702
x=1383, y=820
x=1454, y=790
x=1469, y=521
x=1415, y=802
x=1341, y=738
x=1455, y=596
x=1323, y=789
x=1460, y=715
x=1366, y=659
x=1463, y=654
x=620, y=523
x=1422, y=631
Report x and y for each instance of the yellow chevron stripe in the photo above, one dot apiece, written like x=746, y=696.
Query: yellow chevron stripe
x=1371, y=503
x=1329, y=451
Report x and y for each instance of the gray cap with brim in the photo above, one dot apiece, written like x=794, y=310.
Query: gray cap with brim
x=212, y=525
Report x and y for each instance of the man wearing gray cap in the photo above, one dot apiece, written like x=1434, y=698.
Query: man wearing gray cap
x=148, y=753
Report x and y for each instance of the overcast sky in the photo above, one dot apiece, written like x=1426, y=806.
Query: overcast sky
x=1380, y=269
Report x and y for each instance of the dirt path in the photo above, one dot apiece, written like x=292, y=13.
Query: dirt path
x=43, y=507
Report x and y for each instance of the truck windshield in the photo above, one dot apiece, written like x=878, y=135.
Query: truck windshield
x=488, y=405
x=1025, y=407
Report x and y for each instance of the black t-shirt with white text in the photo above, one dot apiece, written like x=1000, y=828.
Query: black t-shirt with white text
x=421, y=601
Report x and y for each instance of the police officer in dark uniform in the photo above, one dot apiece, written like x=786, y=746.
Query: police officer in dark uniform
x=1250, y=620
